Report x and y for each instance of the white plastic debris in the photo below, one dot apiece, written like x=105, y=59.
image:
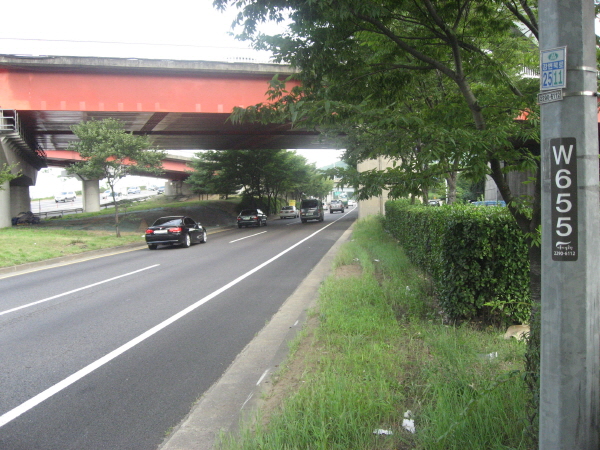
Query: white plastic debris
x=383, y=432
x=407, y=423
x=489, y=355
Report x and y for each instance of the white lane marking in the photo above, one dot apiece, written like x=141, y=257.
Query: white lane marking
x=75, y=290
x=262, y=377
x=247, y=400
x=246, y=237
x=44, y=395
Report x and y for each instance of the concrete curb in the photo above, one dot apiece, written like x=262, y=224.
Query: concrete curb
x=237, y=393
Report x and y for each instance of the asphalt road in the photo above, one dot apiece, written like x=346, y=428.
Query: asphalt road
x=111, y=353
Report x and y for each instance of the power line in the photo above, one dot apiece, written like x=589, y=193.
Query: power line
x=123, y=43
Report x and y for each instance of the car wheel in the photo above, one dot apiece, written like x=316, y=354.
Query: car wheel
x=187, y=241
x=330, y=211
x=152, y=246
x=239, y=225
x=265, y=222
x=204, y=237
x=303, y=220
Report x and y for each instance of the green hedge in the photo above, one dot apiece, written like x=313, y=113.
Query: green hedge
x=476, y=257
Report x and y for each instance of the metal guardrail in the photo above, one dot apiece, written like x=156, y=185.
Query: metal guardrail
x=57, y=212
x=127, y=200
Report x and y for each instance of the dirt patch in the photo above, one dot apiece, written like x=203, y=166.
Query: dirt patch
x=348, y=271
x=289, y=379
x=215, y=214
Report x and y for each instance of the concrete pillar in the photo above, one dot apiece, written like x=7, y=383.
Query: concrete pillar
x=5, y=217
x=374, y=205
x=15, y=196
x=20, y=201
x=171, y=188
x=91, y=195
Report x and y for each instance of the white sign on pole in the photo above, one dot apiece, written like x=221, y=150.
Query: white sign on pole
x=553, y=71
x=550, y=96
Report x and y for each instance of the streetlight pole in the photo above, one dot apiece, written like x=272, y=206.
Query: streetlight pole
x=570, y=342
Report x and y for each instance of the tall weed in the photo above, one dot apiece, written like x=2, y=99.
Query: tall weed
x=380, y=350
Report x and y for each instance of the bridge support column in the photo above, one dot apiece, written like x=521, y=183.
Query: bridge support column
x=14, y=198
x=5, y=217
x=91, y=195
x=177, y=187
x=374, y=205
x=20, y=201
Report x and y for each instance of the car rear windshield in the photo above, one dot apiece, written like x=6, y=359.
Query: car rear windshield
x=287, y=208
x=248, y=212
x=310, y=203
x=168, y=222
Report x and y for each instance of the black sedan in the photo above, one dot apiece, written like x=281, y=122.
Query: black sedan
x=254, y=217
x=175, y=230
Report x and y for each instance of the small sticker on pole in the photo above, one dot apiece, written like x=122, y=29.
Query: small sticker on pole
x=550, y=96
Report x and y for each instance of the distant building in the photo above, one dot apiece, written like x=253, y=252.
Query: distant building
x=338, y=191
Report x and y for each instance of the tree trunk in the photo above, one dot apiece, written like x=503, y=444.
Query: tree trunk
x=451, y=194
x=117, y=219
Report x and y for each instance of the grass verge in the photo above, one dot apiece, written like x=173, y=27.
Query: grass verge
x=378, y=349
x=29, y=244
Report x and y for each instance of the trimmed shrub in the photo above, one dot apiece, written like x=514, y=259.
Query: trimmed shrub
x=476, y=256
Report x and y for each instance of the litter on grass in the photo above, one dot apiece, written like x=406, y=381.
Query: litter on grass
x=407, y=423
x=383, y=432
x=488, y=355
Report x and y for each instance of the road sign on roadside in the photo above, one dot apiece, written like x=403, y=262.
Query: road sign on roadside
x=553, y=71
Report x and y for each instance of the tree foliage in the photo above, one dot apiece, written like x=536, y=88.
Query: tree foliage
x=6, y=174
x=263, y=176
x=432, y=84
x=111, y=153
x=435, y=85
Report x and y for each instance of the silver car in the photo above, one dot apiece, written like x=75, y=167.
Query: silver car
x=288, y=212
x=65, y=196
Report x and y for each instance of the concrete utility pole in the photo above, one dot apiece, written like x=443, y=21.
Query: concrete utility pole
x=569, y=396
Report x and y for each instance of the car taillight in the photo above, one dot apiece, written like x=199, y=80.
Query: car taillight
x=175, y=230
x=149, y=231
x=255, y=217
x=239, y=218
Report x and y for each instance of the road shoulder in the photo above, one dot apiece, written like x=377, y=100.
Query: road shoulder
x=237, y=393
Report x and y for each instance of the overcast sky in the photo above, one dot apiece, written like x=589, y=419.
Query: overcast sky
x=180, y=29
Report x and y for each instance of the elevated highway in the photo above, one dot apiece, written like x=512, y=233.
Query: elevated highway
x=177, y=104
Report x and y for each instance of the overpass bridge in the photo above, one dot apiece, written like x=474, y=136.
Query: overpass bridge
x=177, y=104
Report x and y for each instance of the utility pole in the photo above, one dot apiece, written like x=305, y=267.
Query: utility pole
x=570, y=340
